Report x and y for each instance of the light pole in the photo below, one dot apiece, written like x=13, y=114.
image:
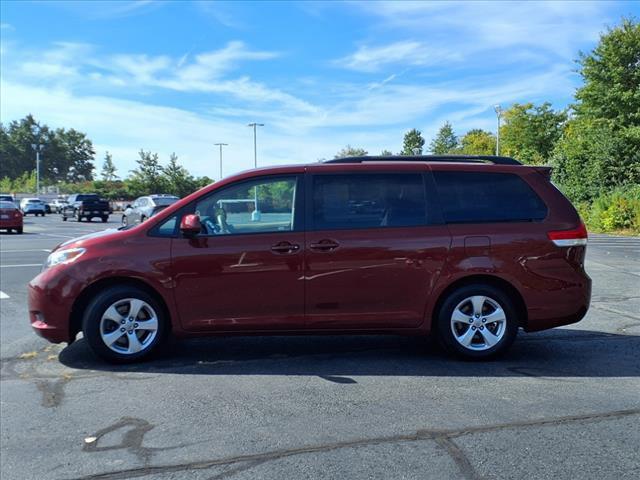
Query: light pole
x=221, y=145
x=38, y=148
x=498, y=110
x=255, y=216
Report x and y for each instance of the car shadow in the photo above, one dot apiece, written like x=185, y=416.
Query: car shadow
x=555, y=353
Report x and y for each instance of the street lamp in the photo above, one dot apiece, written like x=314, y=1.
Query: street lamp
x=498, y=110
x=255, y=215
x=38, y=148
x=221, y=145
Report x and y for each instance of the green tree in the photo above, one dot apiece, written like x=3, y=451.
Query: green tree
x=386, y=153
x=413, y=142
x=530, y=132
x=611, y=74
x=67, y=154
x=600, y=146
x=148, y=177
x=108, y=173
x=350, y=151
x=478, y=142
x=445, y=141
x=179, y=181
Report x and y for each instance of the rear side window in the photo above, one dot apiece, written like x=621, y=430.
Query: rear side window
x=368, y=201
x=473, y=197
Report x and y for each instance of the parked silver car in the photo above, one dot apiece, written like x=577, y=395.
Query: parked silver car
x=145, y=207
x=58, y=204
x=32, y=205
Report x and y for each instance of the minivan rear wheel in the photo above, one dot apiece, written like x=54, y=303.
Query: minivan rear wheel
x=124, y=324
x=477, y=322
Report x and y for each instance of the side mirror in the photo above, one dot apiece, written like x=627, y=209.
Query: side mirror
x=190, y=225
x=127, y=206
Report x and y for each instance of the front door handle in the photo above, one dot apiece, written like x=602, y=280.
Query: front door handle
x=325, y=245
x=285, y=247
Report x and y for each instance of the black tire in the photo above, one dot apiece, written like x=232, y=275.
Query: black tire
x=19, y=230
x=64, y=219
x=444, y=329
x=124, y=220
x=142, y=218
x=97, y=307
x=104, y=219
x=77, y=215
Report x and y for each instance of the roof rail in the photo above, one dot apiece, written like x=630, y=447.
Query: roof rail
x=429, y=158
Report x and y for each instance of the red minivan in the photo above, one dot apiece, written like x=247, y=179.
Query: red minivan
x=468, y=248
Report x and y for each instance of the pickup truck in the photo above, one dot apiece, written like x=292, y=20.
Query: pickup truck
x=85, y=205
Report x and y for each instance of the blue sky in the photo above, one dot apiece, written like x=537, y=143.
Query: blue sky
x=181, y=76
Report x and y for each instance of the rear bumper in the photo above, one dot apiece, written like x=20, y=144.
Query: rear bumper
x=554, y=308
x=11, y=223
x=51, y=297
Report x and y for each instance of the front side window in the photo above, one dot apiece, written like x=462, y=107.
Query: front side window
x=258, y=206
x=477, y=197
x=368, y=201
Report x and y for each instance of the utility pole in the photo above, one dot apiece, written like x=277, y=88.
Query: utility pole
x=255, y=216
x=498, y=110
x=221, y=145
x=38, y=148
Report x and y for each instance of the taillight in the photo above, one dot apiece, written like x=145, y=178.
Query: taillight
x=569, y=238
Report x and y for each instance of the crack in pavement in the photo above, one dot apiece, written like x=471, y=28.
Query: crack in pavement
x=51, y=385
x=443, y=438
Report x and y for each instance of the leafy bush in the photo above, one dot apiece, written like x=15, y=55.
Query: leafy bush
x=616, y=210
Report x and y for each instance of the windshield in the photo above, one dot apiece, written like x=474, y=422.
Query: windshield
x=80, y=198
x=34, y=201
x=7, y=205
x=165, y=201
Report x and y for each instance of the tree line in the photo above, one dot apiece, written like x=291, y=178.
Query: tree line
x=67, y=163
x=593, y=145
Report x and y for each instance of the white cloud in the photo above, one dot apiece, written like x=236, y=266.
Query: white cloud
x=410, y=53
x=474, y=34
x=123, y=127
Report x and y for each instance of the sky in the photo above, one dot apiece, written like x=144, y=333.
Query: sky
x=177, y=76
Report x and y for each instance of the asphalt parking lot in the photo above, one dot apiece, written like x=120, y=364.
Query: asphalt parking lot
x=562, y=404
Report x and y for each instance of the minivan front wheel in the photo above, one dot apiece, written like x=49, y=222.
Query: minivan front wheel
x=477, y=322
x=124, y=324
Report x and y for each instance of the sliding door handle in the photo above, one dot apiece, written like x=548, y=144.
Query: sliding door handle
x=325, y=245
x=285, y=247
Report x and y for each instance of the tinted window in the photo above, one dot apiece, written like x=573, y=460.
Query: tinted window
x=168, y=227
x=368, y=201
x=470, y=197
x=260, y=206
x=7, y=205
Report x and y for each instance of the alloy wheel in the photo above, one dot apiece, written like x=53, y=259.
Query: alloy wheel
x=478, y=323
x=129, y=326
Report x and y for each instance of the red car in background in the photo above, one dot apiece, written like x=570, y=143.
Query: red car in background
x=10, y=217
x=469, y=249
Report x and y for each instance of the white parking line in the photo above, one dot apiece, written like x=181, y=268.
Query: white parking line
x=55, y=235
x=3, y=295
x=32, y=250
x=23, y=265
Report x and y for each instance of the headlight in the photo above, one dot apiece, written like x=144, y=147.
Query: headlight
x=64, y=256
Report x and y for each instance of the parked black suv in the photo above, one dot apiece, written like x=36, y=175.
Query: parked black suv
x=86, y=206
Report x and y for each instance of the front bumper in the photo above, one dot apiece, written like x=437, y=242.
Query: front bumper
x=51, y=297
